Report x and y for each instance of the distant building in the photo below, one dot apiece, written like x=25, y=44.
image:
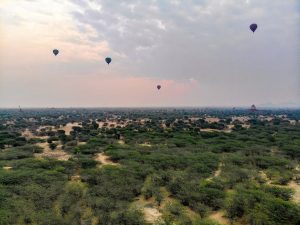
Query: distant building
x=253, y=108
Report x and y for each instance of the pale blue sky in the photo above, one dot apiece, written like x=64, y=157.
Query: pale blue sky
x=201, y=52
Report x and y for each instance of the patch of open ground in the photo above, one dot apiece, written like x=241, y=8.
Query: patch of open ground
x=296, y=187
x=7, y=167
x=109, y=124
x=146, y=144
x=215, y=130
x=69, y=127
x=76, y=178
x=149, y=208
x=219, y=217
x=29, y=135
x=81, y=143
x=121, y=142
x=104, y=159
x=48, y=153
x=212, y=119
x=46, y=128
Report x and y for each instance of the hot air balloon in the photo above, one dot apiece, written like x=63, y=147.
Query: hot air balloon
x=55, y=52
x=253, y=27
x=108, y=60
x=158, y=87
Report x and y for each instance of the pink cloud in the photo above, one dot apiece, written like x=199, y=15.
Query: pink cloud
x=127, y=91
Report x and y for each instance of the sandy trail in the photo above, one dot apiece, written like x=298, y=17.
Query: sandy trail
x=217, y=172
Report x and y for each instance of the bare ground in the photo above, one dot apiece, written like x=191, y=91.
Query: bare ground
x=69, y=127
x=48, y=153
x=104, y=159
x=146, y=144
x=212, y=119
x=150, y=209
x=219, y=217
x=29, y=135
x=296, y=187
x=7, y=167
x=121, y=142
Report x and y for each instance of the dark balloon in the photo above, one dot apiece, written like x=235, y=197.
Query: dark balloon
x=158, y=87
x=55, y=52
x=253, y=27
x=108, y=60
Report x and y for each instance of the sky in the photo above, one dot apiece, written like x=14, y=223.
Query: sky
x=201, y=52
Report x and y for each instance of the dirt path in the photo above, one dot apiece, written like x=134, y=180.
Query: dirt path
x=217, y=172
x=104, y=159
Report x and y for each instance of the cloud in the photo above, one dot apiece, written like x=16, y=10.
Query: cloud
x=202, y=49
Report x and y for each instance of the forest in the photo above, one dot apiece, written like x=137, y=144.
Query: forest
x=162, y=166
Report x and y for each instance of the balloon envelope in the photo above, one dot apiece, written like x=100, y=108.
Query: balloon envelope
x=253, y=27
x=108, y=60
x=158, y=87
x=55, y=52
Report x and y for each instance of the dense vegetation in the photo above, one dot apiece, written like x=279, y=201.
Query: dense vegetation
x=173, y=160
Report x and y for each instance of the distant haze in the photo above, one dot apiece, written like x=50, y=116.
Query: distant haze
x=201, y=52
